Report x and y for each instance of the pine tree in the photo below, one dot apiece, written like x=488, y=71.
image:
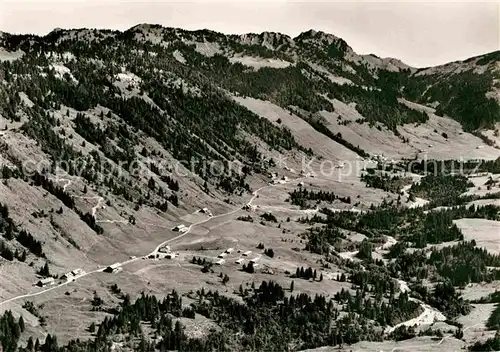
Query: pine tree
x=44, y=271
x=30, y=344
x=21, y=323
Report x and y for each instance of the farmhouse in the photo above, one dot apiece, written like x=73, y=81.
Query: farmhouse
x=240, y=261
x=77, y=272
x=247, y=253
x=165, y=253
x=180, y=228
x=249, y=207
x=113, y=268
x=268, y=271
x=229, y=250
x=206, y=211
x=220, y=262
x=72, y=274
x=222, y=255
x=45, y=282
x=67, y=276
x=255, y=260
x=164, y=249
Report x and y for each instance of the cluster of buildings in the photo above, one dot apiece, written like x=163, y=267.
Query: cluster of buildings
x=69, y=276
x=221, y=258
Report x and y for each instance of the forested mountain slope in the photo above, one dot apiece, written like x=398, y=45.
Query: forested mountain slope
x=301, y=72
x=109, y=139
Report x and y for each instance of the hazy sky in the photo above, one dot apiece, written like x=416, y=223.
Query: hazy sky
x=420, y=34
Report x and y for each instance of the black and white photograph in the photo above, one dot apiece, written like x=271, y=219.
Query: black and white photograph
x=249, y=176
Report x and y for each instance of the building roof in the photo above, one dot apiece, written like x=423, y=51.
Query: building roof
x=47, y=280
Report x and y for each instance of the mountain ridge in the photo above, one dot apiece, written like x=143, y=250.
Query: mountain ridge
x=323, y=56
x=252, y=35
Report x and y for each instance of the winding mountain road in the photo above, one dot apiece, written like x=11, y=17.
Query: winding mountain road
x=154, y=252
